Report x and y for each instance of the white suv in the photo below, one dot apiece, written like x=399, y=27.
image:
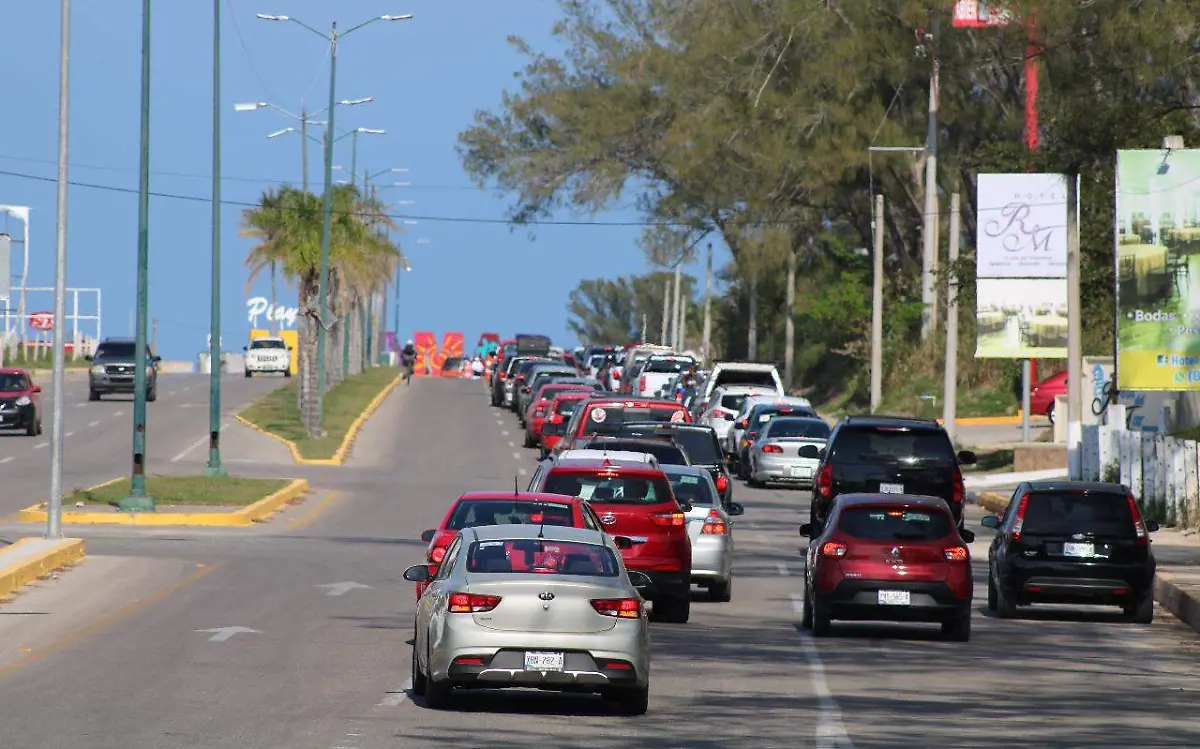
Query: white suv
x=268, y=355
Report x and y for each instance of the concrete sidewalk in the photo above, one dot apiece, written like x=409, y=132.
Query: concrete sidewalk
x=1177, y=553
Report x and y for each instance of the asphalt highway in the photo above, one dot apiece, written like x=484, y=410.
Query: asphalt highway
x=132, y=650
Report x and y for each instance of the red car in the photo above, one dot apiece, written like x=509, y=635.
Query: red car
x=539, y=408
x=635, y=501
x=603, y=416
x=500, y=508
x=1042, y=395
x=20, y=402
x=558, y=413
x=889, y=557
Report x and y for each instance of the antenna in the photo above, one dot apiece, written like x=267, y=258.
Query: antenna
x=516, y=491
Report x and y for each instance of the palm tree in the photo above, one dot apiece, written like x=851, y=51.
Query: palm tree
x=287, y=227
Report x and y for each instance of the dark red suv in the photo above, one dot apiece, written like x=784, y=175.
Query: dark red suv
x=889, y=557
x=634, y=500
x=20, y=402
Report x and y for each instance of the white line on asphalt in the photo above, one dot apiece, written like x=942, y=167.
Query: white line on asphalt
x=80, y=404
x=512, y=444
x=782, y=569
x=40, y=445
x=5, y=460
x=69, y=434
x=504, y=432
x=831, y=732
x=516, y=456
x=118, y=413
x=397, y=698
x=93, y=424
x=522, y=471
x=187, y=450
x=760, y=539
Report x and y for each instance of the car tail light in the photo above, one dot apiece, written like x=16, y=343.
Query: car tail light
x=468, y=660
x=503, y=376
x=1020, y=519
x=642, y=383
x=539, y=411
x=722, y=483
x=471, y=603
x=669, y=519
x=772, y=449
x=825, y=482
x=957, y=554
x=835, y=549
x=1138, y=526
x=958, y=490
x=556, y=419
x=437, y=555
x=714, y=524
x=618, y=608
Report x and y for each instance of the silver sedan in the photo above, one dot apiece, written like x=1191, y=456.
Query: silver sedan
x=532, y=606
x=709, y=528
x=775, y=456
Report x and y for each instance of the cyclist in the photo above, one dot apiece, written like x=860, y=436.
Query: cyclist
x=408, y=358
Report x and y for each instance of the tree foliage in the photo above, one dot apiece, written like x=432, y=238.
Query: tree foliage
x=605, y=311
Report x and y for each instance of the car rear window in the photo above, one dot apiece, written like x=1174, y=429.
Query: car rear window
x=607, y=418
x=610, y=487
x=763, y=415
x=700, y=445
x=663, y=366
x=116, y=350
x=894, y=444
x=736, y=377
x=567, y=406
x=663, y=452
x=541, y=556
x=801, y=428
x=895, y=524
x=472, y=513
x=692, y=488
x=1068, y=513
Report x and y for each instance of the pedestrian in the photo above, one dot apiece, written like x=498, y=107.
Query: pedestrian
x=477, y=367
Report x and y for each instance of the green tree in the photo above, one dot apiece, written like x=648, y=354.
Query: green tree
x=604, y=311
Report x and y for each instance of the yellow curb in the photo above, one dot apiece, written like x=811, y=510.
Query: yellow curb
x=992, y=502
x=339, y=455
x=240, y=518
x=16, y=576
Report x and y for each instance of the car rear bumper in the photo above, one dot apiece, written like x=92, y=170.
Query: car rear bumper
x=711, y=558
x=859, y=600
x=665, y=584
x=786, y=469
x=261, y=366
x=1072, y=584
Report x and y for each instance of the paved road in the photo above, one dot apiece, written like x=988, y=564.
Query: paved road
x=109, y=655
x=99, y=435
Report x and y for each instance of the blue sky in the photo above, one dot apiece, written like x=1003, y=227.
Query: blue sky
x=428, y=76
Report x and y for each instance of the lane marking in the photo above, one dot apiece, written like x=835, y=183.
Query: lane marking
x=397, y=698
x=315, y=512
x=516, y=456
x=760, y=539
x=93, y=424
x=40, y=445
x=69, y=434
x=6, y=460
x=504, y=432
x=512, y=444
x=183, y=454
x=831, y=732
x=118, y=413
x=782, y=569
x=522, y=472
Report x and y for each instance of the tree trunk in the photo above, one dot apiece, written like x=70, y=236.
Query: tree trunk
x=307, y=348
x=752, y=332
x=789, y=328
x=333, y=336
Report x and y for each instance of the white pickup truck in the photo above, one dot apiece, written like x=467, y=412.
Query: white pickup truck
x=658, y=371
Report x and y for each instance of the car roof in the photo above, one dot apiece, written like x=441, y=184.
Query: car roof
x=686, y=470
x=582, y=463
x=611, y=456
x=798, y=418
x=627, y=440
x=1094, y=487
x=903, y=422
x=781, y=401
x=743, y=389
x=666, y=426
x=745, y=366
x=624, y=400
x=533, y=531
x=891, y=500
x=489, y=496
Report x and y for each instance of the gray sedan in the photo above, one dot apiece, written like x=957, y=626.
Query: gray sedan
x=709, y=528
x=532, y=606
x=775, y=456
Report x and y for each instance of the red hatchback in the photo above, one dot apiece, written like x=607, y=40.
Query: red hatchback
x=889, y=557
x=504, y=508
x=20, y=402
x=634, y=501
x=539, y=407
x=604, y=416
x=558, y=413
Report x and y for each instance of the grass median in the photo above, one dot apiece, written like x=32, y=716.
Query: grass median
x=194, y=491
x=278, y=413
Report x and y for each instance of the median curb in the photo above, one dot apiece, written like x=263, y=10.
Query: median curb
x=1181, y=601
x=240, y=518
x=22, y=563
x=343, y=451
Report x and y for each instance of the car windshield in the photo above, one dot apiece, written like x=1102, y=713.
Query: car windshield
x=894, y=524
x=662, y=366
x=542, y=556
x=607, y=418
x=663, y=452
x=689, y=487
x=116, y=351
x=1068, y=513
x=11, y=383
x=471, y=513
x=611, y=487
x=894, y=444
x=267, y=344
x=798, y=428
x=733, y=402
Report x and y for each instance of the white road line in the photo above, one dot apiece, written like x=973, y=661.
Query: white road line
x=81, y=404
x=40, y=445
x=512, y=444
x=93, y=424
x=187, y=450
x=522, y=472
x=118, y=413
x=760, y=539
x=69, y=434
x=782, y=569
x=504, y=432
x=516, y=456
x=5, y=460
x=831, y=732
x=397, y=698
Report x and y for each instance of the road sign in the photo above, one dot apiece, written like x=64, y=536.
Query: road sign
x=980, y=14
x=41, y=320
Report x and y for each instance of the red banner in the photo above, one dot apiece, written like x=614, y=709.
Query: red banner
x=431, y=357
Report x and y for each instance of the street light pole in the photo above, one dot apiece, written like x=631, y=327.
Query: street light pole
x=54, y=511
x=354, y=157
x=304, y=147
x=138, y=500
x=214, y=467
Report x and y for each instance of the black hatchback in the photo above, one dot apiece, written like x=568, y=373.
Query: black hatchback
x=887, y=455
x=697, y=441
x=1071, y=542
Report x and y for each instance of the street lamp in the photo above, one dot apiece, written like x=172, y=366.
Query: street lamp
x=214, y=468
x=305, y=118
x=54, y=511
x=326, y=224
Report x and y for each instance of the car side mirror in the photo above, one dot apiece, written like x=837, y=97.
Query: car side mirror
x=968, y=458
x=812, y=452
x=967, y=535
x=742, y=424
x=623, y=542
x=418, y=573
x=806, y=530
x=88, y=357
x=156, y=359
x=427, y=536
x=1151, y=526
x=37, y=388
x=686, y=506
x=735, y=509
x=639, y=580
x=990, y=521
x=245, y=348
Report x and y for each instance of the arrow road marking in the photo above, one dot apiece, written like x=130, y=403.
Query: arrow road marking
x=341, y=589
x=221, y=634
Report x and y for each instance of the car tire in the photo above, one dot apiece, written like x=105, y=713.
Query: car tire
x=418, y=676
x=822, y=624
x=958, y=629
x=1050, y=413
x=1005, y=609
x=630, y=701
x=39, y=426
x=437, y=692
x=991, y=599
x=529, y=440
x=34, y=429
x=806, y=616
x=721, y=591
x=151, y=394
x=287, y=372
x=93, y=395
x=248, y=373
x=675, y=610
x=1141, y=612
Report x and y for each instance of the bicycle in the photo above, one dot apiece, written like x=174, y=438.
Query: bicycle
x=408, y=373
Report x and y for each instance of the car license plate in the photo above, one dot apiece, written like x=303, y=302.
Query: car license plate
x=1079, y=550
x=891, y=488
x=542, y=661
x=799, y=472
x=894, y=598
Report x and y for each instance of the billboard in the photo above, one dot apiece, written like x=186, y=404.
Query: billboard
x=1157, y=242
x=1021, y=266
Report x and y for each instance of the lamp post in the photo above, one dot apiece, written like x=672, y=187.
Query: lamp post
x=214, y=467
x=326, y=224
x=138, y=500
x=305, y=118
x=368, y=318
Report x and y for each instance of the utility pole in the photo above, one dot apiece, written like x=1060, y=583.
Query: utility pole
x=877, y=309
x=214, y=467
x=666, y=316
x=1074, y=334
x=950, y=383
x=789, y=325
x=54, y=511
x=707, y=334
x=304, y=147
x=675, y=308
x=929, y=271
x=683, y=325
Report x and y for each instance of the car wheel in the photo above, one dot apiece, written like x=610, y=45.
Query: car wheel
x=437, y=692
x=287, y=372
x=93, y=395
x=958, y=628
x=822, y=624
x=1005, y=609
x=152, y=394
x=249, y=373
x=1050, y=412
x=806, y=616
x=991, y=604
x=529, y=440
x=39, y=426
x=630, y=701
x=34, y=429
x=673, y=610
x=418, y=676
x=1141, y=612
x=721, y=591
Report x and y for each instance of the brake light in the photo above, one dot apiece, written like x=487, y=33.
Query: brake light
x=642, y=383
x=714, y=524
x=618, y=608
x=957, y=554
x=958, y=490
x=1138, y=526
x=669, y=519
x=722, y=483
x=772, y=449
x=503, y=376
x=539, y=411
x=1020, y=519
x=437, y=555
x=556, y=419
x=471, y=603
x=835, y=549
x=825, y=482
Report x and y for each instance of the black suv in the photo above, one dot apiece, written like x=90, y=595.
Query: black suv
x=1073, y=542
x=699, y=443
x=887, y=455
x=113, y=366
